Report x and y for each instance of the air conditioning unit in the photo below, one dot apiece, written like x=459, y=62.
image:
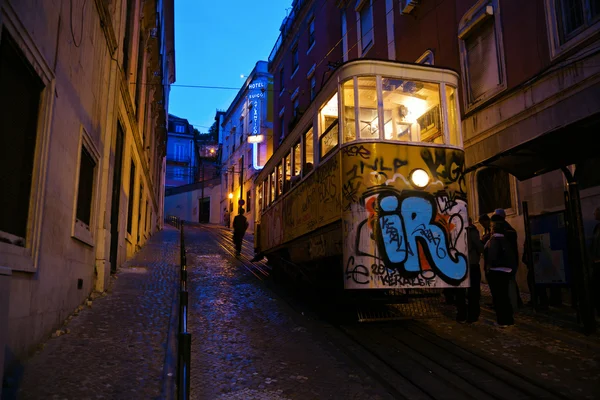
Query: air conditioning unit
x=406, y=6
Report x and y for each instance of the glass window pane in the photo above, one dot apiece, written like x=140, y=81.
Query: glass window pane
x=272, y=187
x=329, y=140
x=482, y=59
x=329, y=125
x=349, y=129
x=279, y=179
x=329, y=113
x=366, y=26
x=412, y=111
x=297, y=159
x=308, y=151
x=287, y=172
x=453, y=130
x=570, y=17
x=368, y=123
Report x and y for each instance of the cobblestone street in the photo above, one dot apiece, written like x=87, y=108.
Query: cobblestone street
x=116, y=347
x=249, y=343
x=246, y=344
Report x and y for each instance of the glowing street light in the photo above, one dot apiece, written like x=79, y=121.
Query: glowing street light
x=230, y=195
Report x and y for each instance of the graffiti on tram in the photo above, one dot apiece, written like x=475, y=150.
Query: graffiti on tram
x=399, y=235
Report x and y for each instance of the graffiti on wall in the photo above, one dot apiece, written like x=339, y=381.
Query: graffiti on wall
x=398, y=235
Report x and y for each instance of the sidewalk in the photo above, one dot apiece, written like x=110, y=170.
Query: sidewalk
x=116, y=347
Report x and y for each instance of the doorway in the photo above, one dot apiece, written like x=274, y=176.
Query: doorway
x=204, y=207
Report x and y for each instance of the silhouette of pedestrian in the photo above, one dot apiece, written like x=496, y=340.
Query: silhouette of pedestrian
x=240, y=224
x=500, y=264
x=467, y=300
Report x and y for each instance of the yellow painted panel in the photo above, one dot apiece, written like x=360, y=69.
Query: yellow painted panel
x=397, y=234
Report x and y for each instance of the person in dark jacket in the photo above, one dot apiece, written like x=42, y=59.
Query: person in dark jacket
x=240, y=224
x=511, y=235
x=500, y=264
x=468, y=311
x=484, y=220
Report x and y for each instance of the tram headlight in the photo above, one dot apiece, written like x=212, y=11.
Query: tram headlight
x=419, y=177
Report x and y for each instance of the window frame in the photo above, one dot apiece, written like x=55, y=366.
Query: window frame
x=295, y=59
x=512, y=184
x=79, y=230
x=15, y=257
x=362, y=5
x=281, y=81
x=590, y=27
x=469, y=23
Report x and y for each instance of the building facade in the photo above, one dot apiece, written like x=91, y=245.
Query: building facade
x=182, y=153
x=246, y=131
x=82, y=149
x=529, y=100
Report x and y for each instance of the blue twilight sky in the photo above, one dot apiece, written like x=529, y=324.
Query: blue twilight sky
x=216, y=41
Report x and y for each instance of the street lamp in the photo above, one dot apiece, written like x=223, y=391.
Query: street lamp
x=230, y=195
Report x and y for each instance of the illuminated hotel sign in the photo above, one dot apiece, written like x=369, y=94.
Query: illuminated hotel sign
x=256, y=91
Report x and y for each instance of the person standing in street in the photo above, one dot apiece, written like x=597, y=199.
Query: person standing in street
x=240, y=224
x=500, y=264
x=226, y=217
x=484, y=220
x=511, y=236
x=467, y=300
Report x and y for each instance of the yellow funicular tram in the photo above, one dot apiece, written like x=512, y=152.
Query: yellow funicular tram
x=367, y=191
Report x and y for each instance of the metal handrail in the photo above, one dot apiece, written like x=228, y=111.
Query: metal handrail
x=184, y=347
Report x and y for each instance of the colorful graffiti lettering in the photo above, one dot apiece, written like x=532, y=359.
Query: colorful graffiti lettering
x=399, y=235
x=409, y=237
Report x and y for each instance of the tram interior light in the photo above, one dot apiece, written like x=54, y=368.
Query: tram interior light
x=413, y=108
x=419, y=177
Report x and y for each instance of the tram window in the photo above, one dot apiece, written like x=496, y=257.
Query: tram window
x=412, y=111
x=272, y=180
x=259, y=194
x=308, y=151
x=368, y=123
x=279, y=179
x=329, y=140
x=396, y=125
x=297, y=161
x=329, y=126
x=453, y=131
x=349, y=127
x=287, y=172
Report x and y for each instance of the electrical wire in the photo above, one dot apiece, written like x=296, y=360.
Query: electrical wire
x=71, y=20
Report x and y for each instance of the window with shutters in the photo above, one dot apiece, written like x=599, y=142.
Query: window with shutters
x=571, y=22
x=482, y=53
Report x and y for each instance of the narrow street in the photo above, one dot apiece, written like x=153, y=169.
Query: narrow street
x=251, y=340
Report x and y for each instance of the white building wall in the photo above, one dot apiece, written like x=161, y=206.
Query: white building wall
x=81, y=104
